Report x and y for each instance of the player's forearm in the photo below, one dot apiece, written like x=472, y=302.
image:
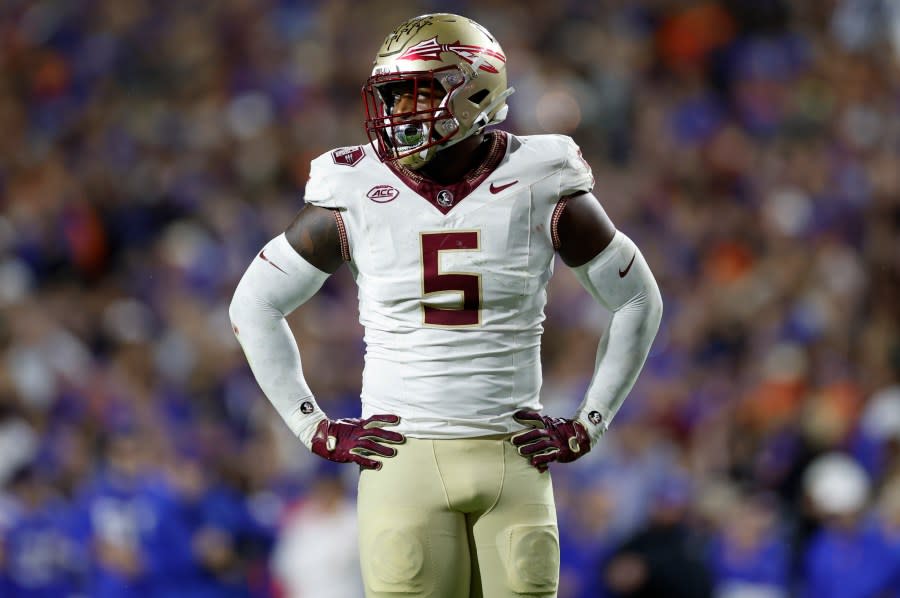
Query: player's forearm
x=276, y=283
x=620, y=279
x=620, y=358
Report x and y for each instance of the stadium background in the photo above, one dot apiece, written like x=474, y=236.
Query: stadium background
x=750, y=147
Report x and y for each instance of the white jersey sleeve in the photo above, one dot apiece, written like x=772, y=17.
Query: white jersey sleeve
x=327, y=185
x=318, y=192
x=575, y=173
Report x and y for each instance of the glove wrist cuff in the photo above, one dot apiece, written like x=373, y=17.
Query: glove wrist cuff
x=593, y=424
x=582, y=436
x=315, y=430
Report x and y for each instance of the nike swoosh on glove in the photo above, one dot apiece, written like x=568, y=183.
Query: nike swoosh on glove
x=549, y=439
x=355, y=440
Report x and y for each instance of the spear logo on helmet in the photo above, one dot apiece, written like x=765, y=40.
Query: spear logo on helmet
x=431, y=50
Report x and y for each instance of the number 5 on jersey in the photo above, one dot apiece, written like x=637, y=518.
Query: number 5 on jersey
x=467, y=311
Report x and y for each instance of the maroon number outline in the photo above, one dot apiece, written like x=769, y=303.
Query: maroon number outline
x=468, y=311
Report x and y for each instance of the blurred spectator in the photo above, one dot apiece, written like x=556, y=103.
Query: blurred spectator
x=879, y=424
x=316, y=552
x=849, y=556
x=41, y=556
x=587, y=535
x=122, y=523
x=209, y=534
x=665, y=558
x=750, y=557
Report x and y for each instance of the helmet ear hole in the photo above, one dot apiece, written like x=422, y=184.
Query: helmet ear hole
x=478, y=96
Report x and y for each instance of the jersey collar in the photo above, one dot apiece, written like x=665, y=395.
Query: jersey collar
x=445, y=197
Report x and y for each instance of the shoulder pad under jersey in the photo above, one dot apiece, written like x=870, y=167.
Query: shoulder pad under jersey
x=560, y=154
x=333, y=166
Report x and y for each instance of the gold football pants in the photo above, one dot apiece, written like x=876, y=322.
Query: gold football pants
x=464, y=518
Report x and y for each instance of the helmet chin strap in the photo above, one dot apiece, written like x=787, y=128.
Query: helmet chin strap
x=501, y=114
x=483, y=119
x=419, y=159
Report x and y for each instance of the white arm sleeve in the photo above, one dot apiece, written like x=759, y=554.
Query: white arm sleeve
x=277, y=282
x=620, y=279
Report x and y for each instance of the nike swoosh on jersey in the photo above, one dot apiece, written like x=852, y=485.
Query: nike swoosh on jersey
x=262, y=255
x=498, y=188
x=624, y=272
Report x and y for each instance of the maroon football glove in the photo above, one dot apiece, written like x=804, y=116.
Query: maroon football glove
x=550, y=439
x=354, y=440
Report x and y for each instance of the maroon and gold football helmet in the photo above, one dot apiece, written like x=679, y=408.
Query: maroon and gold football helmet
x=454, y=69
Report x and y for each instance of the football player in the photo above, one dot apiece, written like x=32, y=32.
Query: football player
x=450, y=231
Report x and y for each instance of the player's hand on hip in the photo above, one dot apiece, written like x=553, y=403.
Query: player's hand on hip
x=356, y=440
x=549, y=439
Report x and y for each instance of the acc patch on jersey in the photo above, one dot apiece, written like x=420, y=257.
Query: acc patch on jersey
x=382, y=193
x=348, y=156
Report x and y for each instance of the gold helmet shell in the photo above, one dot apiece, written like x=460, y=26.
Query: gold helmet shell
x=462, y=67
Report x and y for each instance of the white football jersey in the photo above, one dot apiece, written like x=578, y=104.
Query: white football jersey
x=452, y=279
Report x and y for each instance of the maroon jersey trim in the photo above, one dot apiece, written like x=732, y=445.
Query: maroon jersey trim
x=342, y=235
x=554, y=222
x=429, y=190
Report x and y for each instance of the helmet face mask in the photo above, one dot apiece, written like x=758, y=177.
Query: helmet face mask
x=410, y=137
x=455, y=73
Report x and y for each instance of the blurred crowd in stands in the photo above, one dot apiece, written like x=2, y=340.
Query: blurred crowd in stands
x=148, y=148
